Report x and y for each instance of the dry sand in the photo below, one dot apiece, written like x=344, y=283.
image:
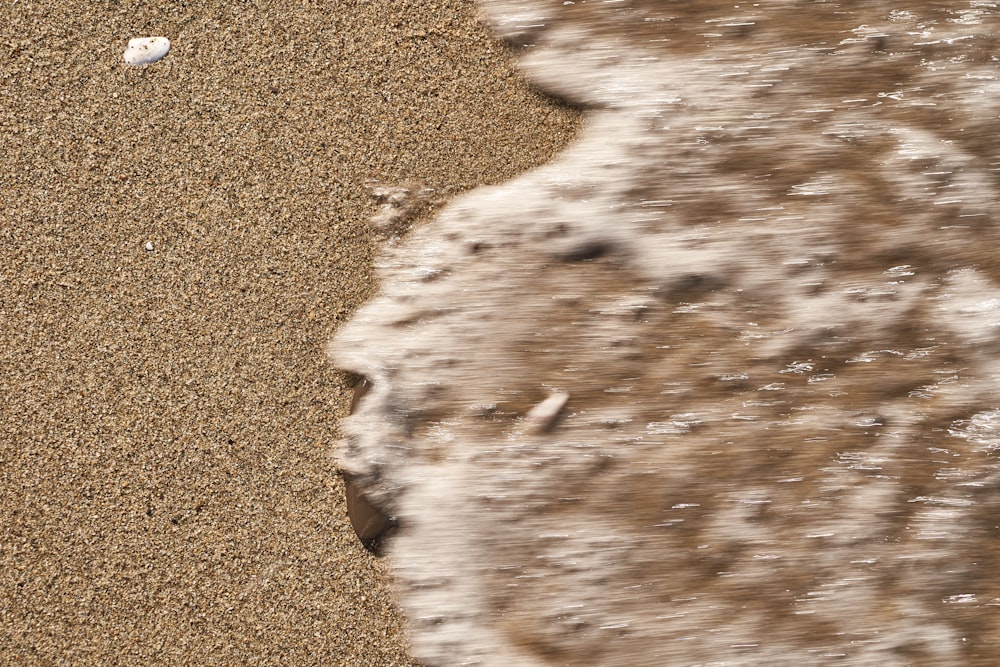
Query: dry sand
x=167, y=492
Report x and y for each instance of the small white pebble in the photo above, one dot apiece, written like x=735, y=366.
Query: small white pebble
x=146, y=50
x=542, y=417
x=149, y=246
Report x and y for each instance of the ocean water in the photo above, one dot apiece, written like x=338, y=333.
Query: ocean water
x=765, y=278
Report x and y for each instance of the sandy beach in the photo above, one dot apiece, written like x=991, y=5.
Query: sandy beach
x=178, y=242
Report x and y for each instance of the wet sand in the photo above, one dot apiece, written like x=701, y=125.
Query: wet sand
x=167, y=416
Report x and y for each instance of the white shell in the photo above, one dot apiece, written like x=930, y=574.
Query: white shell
x=541, y=417
x=145, y=50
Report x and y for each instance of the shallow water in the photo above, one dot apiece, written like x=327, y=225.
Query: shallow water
x=765, y=277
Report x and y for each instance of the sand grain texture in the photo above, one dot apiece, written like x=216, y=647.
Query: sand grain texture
x=167, y=494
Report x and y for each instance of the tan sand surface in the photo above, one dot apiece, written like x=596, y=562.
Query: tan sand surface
x=167, y=492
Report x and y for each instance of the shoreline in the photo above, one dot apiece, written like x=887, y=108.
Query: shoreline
x=169, y=415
